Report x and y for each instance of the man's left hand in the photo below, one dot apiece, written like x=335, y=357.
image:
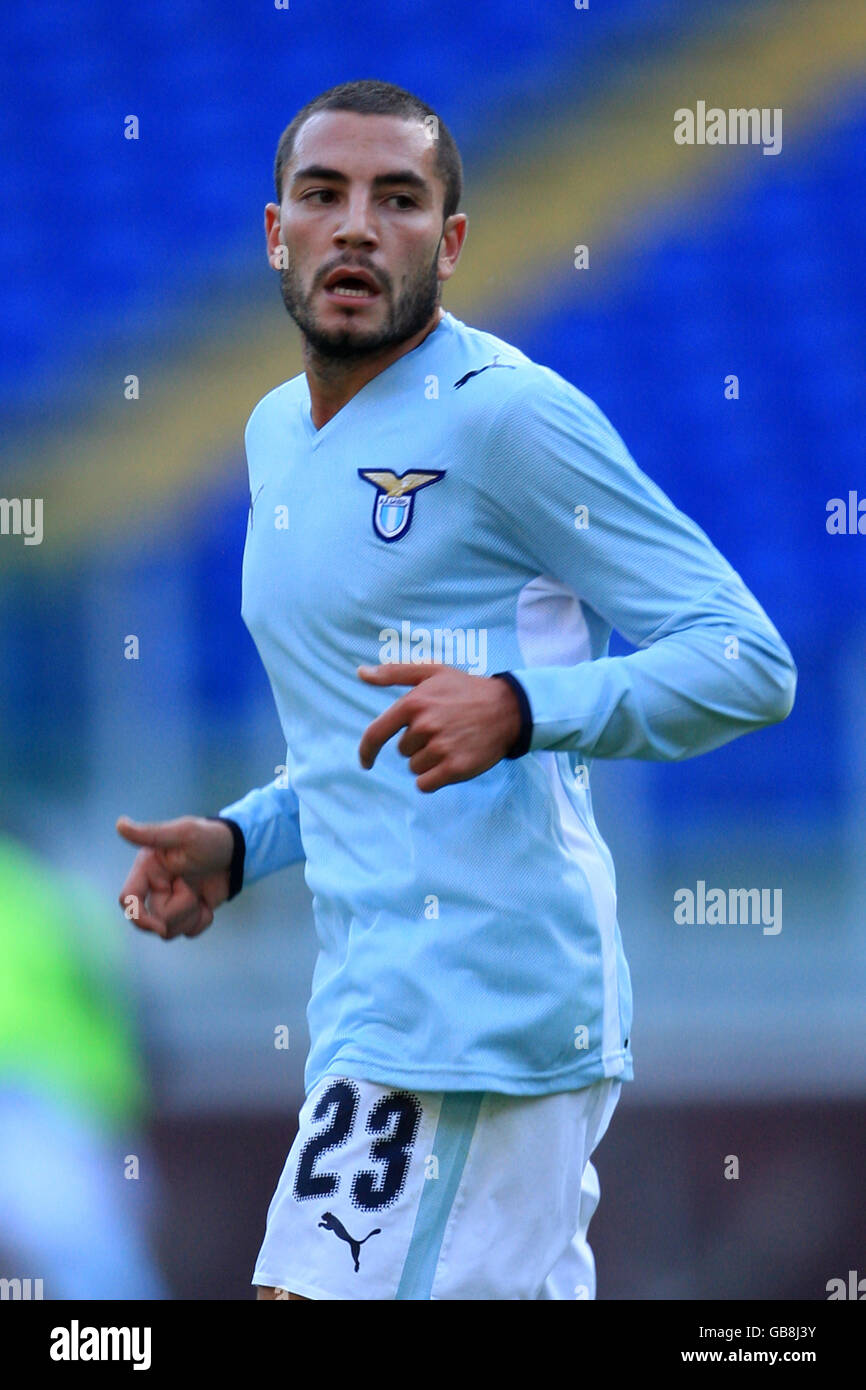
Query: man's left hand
x=456, y=725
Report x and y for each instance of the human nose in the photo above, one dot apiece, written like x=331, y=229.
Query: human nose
x=357, y=226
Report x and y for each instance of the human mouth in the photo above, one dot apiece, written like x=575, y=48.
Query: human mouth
x=350, y=292
x=349, y=283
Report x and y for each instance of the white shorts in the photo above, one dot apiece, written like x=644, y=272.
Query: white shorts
x=388, y=1193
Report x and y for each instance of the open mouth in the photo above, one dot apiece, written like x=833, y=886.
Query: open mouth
x=348, y=285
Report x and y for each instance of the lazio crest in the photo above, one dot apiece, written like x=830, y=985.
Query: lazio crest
x=395, y=498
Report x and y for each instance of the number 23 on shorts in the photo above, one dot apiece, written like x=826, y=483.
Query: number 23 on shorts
x=392, y=1123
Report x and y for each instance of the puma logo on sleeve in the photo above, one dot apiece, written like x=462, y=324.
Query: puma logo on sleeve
x=478, y=370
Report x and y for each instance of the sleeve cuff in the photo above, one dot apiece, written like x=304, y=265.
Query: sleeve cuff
x=524, y=738
x=236, y=869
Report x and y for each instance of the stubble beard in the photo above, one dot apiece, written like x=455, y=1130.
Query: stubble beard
x=412, y=312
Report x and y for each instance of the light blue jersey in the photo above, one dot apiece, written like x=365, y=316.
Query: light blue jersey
x=472, y=507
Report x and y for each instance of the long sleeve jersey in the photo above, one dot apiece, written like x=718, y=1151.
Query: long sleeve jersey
x=472, y=507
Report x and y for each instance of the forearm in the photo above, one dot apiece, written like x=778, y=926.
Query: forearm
x=268, y=820
x=722, y=672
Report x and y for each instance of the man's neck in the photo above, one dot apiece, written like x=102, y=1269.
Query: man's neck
x=333, y=381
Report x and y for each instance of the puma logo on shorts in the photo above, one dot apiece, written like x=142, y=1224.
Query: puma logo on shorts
x=331, y=1223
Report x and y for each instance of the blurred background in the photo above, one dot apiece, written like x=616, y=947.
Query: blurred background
x=145, y=1112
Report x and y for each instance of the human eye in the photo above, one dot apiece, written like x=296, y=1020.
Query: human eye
x=403, y=200
x=326, y=193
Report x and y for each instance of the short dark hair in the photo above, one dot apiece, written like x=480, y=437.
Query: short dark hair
x=372, y=98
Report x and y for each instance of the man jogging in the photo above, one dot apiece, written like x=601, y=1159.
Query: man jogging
x=442, y=536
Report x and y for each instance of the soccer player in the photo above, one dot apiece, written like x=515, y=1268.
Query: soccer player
x=442, y=535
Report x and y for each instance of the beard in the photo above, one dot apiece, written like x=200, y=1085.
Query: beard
x=411, y=312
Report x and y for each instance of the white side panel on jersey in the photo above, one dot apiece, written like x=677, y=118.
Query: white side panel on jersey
x=552, y=631
x=551, y=628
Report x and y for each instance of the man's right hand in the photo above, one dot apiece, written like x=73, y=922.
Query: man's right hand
x=179, y=877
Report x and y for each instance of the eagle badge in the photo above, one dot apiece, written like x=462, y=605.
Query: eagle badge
x=395, y=498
